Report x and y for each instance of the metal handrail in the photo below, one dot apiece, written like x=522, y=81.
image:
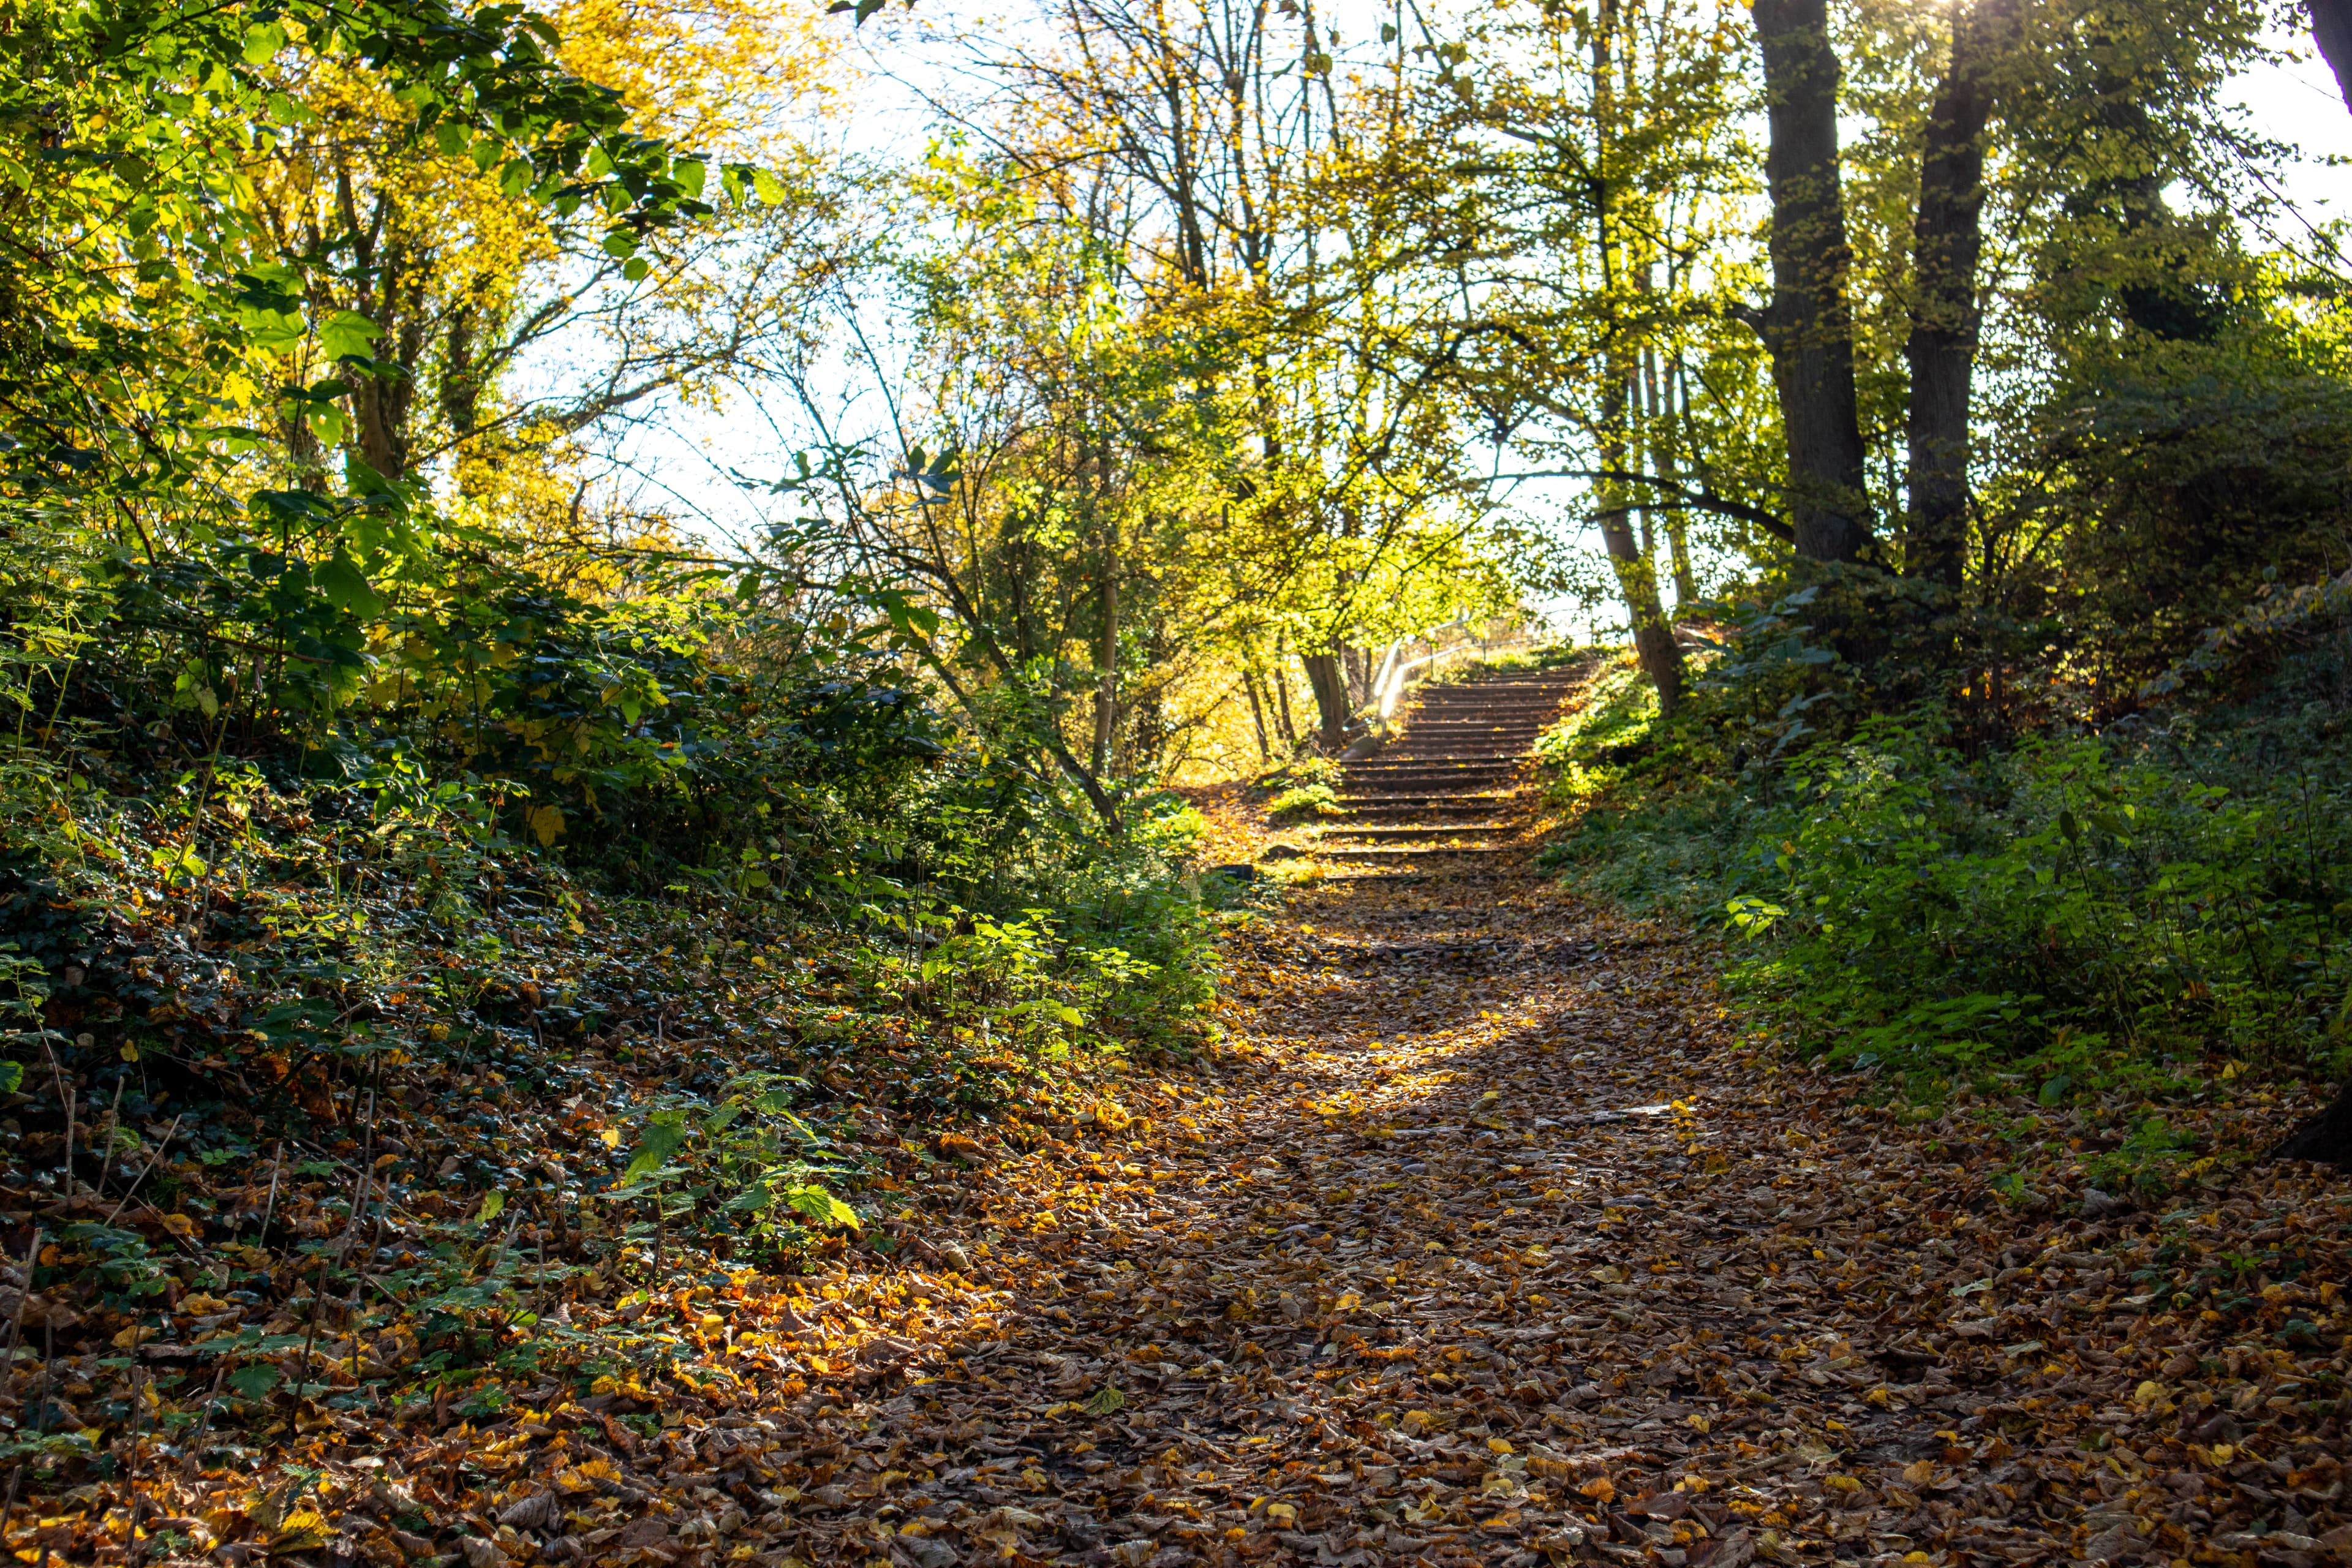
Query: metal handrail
x=1389, y=685
x=1389, y=699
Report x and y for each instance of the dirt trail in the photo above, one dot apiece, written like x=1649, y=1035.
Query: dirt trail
x=1487, y=1242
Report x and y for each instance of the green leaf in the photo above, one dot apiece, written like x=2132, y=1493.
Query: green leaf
x=665, y=1135
x=262, y=43
x=770, y=189
x=11, y=1075
x=347, y=589
x=253, y=1381
x=636, y=269
x=346, y=333
x=268, y=301
x=822, y=1208
x=493, y=1202
x=689, y=174
x=451, y=138
x=1107, y=1401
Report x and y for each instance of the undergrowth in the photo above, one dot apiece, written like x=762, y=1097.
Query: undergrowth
x=335, y=1046
x=1301, y=791
x=2158, y=913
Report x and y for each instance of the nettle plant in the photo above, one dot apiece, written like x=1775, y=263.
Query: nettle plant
x=749, y=1163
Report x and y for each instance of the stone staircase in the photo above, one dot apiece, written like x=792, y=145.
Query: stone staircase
x=1439, y=793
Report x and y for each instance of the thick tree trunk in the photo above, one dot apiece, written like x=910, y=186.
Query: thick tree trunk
x=2327, y=1137
x=2331, y=28
x=1332, y=710
x=1948, y=238
x=1807, y=326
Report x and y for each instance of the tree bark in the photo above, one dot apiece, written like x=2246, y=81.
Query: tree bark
x=2327, y=1137
x=1947, y=239
x=1808, y=327
x=2331, y=29
x=1280, y=678
x=1659, y=393
x=1634, y=561
x=1332, y=710
x=1106, y=662
x=1636, y=566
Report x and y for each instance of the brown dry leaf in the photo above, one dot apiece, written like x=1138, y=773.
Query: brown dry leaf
x=1485, y=1235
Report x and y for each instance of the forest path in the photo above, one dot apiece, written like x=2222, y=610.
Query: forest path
x=1484, y=1241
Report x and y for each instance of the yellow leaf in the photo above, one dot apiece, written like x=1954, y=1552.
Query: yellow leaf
x=546, y=823
x=1601, y=1488
x=179, y=1225
x=610, y=1137
x=304, y=1529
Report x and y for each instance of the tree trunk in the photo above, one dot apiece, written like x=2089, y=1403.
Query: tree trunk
x=1107, y=666
x=1636, y=566
x=1947, y=239
x=1807, y=326
x=1257, y=717
x=2327, y=1137
x=1332, y=710
x=1280, y=678
x=1632, y=559
x=2331, y=28
x=1658, y=397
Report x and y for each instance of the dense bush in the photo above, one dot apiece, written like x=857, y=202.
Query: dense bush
x=2165, y=901
x=285, y=838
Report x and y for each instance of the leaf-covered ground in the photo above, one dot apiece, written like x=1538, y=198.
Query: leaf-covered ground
x=1484, y=1238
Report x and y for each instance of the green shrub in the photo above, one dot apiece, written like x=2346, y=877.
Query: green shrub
x=1301, y=790
x=2074, y=912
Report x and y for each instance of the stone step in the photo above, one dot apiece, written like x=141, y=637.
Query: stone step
x=1370, y=833
x=1375, y=809
x=1435, y=766
x=1501, y=765
x=1403, y=854
x=1431, y=759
